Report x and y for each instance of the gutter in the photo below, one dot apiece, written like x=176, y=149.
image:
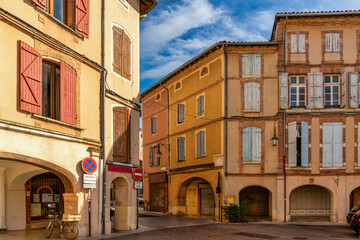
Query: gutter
x=226, y=109
x=284, y=127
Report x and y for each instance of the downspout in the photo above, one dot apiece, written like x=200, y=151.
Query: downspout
x=284, y=129
x=102, y=96
x=226, y=108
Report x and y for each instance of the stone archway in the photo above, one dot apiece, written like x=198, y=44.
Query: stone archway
x=119, y=204
x=354, y=197
x=259, y=201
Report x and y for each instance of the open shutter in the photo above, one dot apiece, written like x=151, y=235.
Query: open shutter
x=151, y=162
x=327, y=145
x=257, y=64
x=328, y=42
x=311, y=95
x=318, y=89
x=284, y=90
x=41, y=4
x=121, y=134
x=292, y=144
x=336, y=42
x=202, y=104
x=337, y=144
x=245, y=65
x=353, y=89
x=198, y=143
x=256, y=144
x=30, y=79
x=82, y=13
x=247, y=142
x=304, y=144
x=301, y=43
x=358, y=144
x=256, y=96
x=118, y=49
x=294, y=43
x=127, y=57
x=343, y=88
x=157, y=154
x=202, y=137
x=248, y=96
x=67, y=94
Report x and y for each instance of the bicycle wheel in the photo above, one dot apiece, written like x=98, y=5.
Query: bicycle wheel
x=49, y=229
x=71, y=230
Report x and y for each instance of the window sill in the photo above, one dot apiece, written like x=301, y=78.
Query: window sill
x=251, y=110
x=357, y=167
x=299, y=168
x=298, y=52
x=331, y=168
x=46, y=119
x=200, y=157
x=67, y=28
x=251, y=162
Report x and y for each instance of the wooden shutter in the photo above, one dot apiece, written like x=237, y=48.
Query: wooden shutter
x=200, y=105
x=198, y=143
x=202, y=137
x=343, y=88
x=181, y=148
x=247, y=144
x=117, y=49
x=41, y=4
x=256, y=148
x=30, y=79
x=311, y=92
x=292, y=144
x=284, y=90
x=294, y=43
x=121, y=134
x=157, y=155
x=358, y=144
x=248, y=96
x=301, y=43
x=245, y=65
x=82, y=13
x=181, y=113
x=328, y=42
x=318, y=89
x=353, y=89
x=335, y=42
x=67, y=94
x=153, y=125
x=127, y=57
x=337, y=144
x=256, y=65
x=255, y=96
x=151, y=157
x=304, y=144
x=327, y=145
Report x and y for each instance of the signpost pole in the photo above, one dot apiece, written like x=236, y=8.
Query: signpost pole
x=90, y=212
x=137, y=209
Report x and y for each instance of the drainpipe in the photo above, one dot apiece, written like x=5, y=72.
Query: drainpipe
x=284, y=129
x=226, y=109
x=102, y=121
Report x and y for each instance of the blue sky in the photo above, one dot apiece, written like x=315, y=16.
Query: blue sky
x=177, y=30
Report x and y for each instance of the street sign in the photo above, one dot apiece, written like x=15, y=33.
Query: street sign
x=89, y=165
x=89, y=185
x=138, y=174
x=138, y=185
x=89, y=181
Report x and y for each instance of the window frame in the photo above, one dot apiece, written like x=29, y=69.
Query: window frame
x=252, y=93
x=252, y=69
x=200, y=114
x=178, y=113
x=178, y=149
x=50, y=10
x=252, y=143
x=153, y=125
x=54, y=103
x=297, y=86
x=332, y=85
x=297, y=43
x=202, y=132
x=331, y=36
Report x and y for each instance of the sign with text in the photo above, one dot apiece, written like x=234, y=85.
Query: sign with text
x=138, y=174
x=89, y=181
x=137, y=185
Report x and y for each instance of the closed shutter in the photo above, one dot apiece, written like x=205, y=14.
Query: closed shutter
x=327, y=145
x=248, y=96
x=202, y=145
x=67, y=94
x=336, y=42
x=151, y=162
x=82, y=13
x=198, y=142
x=343, y=88
x=117, y=50
x=121, y=134
x=318, y=89
x=200, y=105
x=157, y=154
x=255, y=96
x=301, y=43
x=257, y=65
x=30, y=79
x=353, y=89
x=181, y=113
x=294, y=43
x=245, y=65
x=284, y=90
x=153, y=125
x=337, y=144
x=256, y=144
x=41, y=3
x=127, y=57
x=311, y=96
x=304, y=144
x=358, y=145
x=181, y=148
x=292, y=144
x=328, y=42
x=247, y=144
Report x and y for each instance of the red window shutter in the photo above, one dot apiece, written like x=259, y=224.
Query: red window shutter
x=82, y=17
x=30, y=79
x=67, y=94
x=41, y=3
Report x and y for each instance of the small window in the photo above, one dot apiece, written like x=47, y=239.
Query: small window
x=298, y=43
x=251, y=144
x=200, y=144
x=51, y=90
x=158, y=96
x=332, y=42
x=297, y=91
x=200, y=105
x=332, y=90
x=204, y=71
x=121, y=53
x=181, y=113
x=298, y=144
x=251, y=64
x=332, y=144
x=252, y=96
x=178, y=85
x=181, y=149
x=153, y=125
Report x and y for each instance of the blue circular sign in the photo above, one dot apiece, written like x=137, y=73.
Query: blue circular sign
x=89, y=165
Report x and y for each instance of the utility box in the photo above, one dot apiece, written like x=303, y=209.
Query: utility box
x=71, y=204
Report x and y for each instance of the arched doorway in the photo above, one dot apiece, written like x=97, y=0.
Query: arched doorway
x=310, y=202
x=119, y=204
x=197, y=197
x=258, y=200
x=41, y=190
x=355, y=198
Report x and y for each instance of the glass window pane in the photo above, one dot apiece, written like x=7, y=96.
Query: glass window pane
x=327, y=89
x=327, y=97
x=302, y=103
x=293, y=80
x=327, y=103
x=335, y=96
x=293, y=97
x=327, y=79
x=293, y=104
x=301, y=97
x=335, y=89
x=301, y=79
x=335, y=103
x=302, y=90
x=293, y=90
x=335, y=79
x=59, y=10
x=46, y=90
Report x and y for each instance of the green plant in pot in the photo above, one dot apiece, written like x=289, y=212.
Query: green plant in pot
x=236, y=213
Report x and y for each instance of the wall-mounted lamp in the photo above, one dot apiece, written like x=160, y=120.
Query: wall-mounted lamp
x=274, y=140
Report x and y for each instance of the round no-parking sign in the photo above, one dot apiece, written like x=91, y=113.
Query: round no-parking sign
x=89, y=165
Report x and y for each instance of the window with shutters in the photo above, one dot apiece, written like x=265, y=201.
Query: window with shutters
x=121, y=53
x=200, y=144
x=124, y=3
x=251, y=144
x=181, y=113
x=332, y=90
x=251, y=64
x=51, y=90
x=298, y=144
x=297, y=91
x=181, y=149
x=151, y=156
x=158, y=155
x=298, y=43
x=252, y=96
x=121, y=135
x=200, y=106
x=332, y=144
x=332, y=42
x=153, y=125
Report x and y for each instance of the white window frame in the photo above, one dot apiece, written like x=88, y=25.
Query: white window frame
x=296, y=38
x=332, y=85
x=297, y=85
